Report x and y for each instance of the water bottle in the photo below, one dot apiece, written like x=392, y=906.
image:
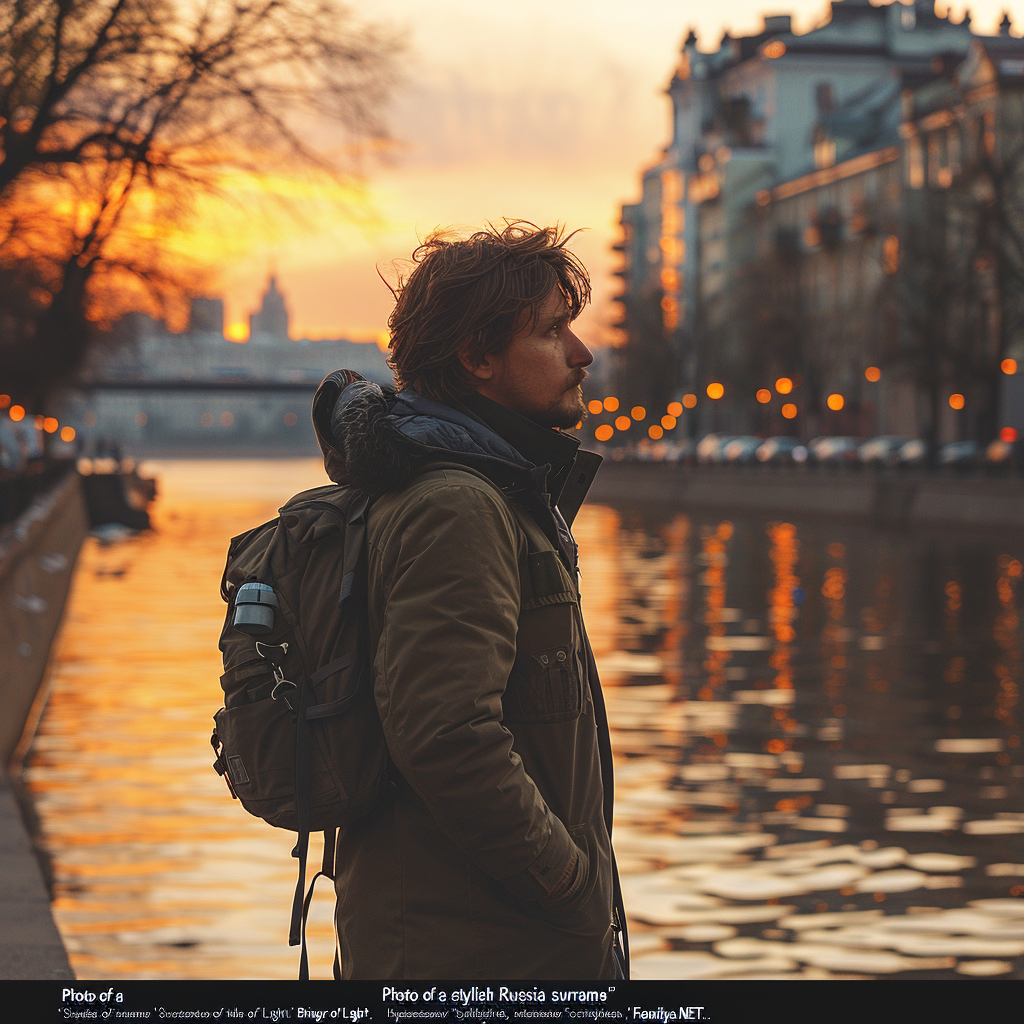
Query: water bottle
x=254, y=608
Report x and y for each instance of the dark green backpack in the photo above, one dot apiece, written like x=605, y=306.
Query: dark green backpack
x=299, y=740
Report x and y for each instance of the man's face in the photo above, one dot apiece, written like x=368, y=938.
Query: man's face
x=540, y=374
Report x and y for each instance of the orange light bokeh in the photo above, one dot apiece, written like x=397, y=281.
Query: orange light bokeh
x=689, y=401
x=623, y=422
x=675, y=409
x=789, y=411
x=783, y=385
x=67, y=433
x=5, y=400
x=763, y=395
x=655, y=432
x=604, y=432
x=594, y=407
x=611, y=404
x=638, y=412
x=50, y=425
x=835, y=402
x=668, y=422
x=873, y=374
x=956, y=401
x=17, y=413
x=1008, y=366
x=715, y=390
x=1008, y=434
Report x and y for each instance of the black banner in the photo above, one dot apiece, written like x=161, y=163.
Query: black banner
x=651, y=1002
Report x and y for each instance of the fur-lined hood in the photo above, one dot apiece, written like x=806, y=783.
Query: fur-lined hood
x=374, y=437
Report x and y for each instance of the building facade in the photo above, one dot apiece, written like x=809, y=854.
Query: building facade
x=783, y=234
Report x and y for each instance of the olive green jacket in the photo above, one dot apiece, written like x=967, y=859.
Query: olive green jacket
x=490, y=856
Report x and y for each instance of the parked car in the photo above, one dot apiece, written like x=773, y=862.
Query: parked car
x=778, y=450
x=833, y=451
x=11, y=456
x=740, y=450
x=1002, y=456
x=913, y=453
x=958, y=455
x=881, y=451
x=709, y=448
x=682, y=451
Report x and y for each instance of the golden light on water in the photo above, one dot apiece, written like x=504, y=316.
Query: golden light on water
x=720, y=675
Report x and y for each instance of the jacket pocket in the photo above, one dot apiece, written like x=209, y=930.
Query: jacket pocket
x=566, y=912
x=545, y=684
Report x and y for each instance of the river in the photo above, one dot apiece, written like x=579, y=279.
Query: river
x=816, y=731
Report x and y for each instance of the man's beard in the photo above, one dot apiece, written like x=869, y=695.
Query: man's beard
x=569, y=410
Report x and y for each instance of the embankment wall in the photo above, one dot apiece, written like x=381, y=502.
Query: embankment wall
x=37, y=558
x=887, y=500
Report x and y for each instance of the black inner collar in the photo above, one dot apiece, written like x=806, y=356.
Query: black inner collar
x=539, y=445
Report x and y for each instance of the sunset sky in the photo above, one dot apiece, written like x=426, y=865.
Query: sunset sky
x=545, y=110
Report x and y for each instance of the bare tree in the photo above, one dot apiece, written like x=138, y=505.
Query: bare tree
x=117, y=115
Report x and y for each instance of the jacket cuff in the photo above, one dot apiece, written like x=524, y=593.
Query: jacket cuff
x=543, y=877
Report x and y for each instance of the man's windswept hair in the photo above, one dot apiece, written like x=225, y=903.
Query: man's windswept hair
x=484, y=290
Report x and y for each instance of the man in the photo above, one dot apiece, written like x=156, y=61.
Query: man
x=489, y=856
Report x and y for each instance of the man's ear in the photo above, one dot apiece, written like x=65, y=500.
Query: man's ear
x=482, y=370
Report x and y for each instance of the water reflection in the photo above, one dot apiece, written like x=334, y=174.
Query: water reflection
x=831, y=785
x=815, y=726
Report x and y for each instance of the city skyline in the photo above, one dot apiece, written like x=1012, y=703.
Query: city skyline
x=548, y=112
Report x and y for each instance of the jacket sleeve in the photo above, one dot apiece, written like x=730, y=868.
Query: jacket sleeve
x=448, y=565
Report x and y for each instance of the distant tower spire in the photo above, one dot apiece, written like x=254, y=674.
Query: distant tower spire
x=271, y=321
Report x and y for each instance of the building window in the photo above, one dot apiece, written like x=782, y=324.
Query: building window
x=824, y=153
x=915, y=162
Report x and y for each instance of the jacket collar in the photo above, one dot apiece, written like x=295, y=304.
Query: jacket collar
x=540, y=446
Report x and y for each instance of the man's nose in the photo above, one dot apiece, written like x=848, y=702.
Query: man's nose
x=579, y=354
